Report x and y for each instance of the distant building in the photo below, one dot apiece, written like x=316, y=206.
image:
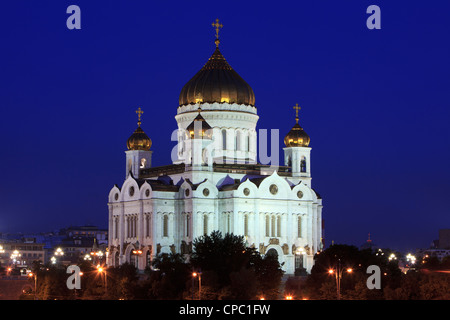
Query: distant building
x=439, y=248
x=80, y=241
x=87, y=232
x=21, y=253
x=444, y=239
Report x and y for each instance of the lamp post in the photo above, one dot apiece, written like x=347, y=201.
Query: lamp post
x=58, y=252
x=195, y=274
x=103, y=270
x=35, y=283
x=338, y=273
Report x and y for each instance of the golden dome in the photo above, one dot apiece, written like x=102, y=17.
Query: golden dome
x=297, y=137
x=139, y=140
x=217, y=82
x=199, y=128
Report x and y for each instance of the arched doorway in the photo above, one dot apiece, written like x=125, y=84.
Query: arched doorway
x=272, y=253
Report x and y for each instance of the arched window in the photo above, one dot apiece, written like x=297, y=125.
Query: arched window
x=205, y=224
x=128, y=227
x=132, y=258
x=272, y=233
x=116, y=228
x=246, y=225
x=147, y=225
x=238, y=140
x=187, y=225
x=303, y=165
x=299, y=227
x=224, y=139
x=247, y=141
x=165, y=226
x=278, y=226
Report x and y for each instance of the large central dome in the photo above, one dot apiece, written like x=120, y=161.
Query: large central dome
x=217, y=82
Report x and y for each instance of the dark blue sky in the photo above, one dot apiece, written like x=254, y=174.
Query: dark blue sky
x=374, y=102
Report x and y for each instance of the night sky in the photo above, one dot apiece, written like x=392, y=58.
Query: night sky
x=375, y=103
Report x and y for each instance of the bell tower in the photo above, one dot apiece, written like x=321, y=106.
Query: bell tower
x=139, y=155
x=297, y=152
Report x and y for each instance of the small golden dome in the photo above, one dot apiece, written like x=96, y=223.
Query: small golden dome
x=199, y=128
x=297, y=137
x=139, y=140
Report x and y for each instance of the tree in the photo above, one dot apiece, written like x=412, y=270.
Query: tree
x=321, y=284
x=170, y=278
x=232, y=270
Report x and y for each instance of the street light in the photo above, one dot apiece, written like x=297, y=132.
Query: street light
x=58, y=253
x=195, y=274
x=338, y=272
x=101, y=270
x=392, y=257
x=31, y=274
x=411, y=258
x=14, y=256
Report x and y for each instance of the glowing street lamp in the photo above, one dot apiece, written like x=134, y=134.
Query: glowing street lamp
x=392, y=257
x=30, y=275
x=411, y=258
x=101, y=270
x=338, y=273
x=15, y=256
x=194, y=275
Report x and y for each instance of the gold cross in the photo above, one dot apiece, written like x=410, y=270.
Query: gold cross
x=296, y=107
x=139, y=113
x=217, y=25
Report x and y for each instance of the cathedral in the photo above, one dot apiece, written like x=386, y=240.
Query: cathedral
x=215, y=181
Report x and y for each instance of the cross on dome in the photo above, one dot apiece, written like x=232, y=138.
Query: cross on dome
x=296, y=107
x=217, y=25
x=139, y=113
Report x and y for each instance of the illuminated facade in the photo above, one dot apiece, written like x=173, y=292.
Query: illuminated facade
x=215, y=181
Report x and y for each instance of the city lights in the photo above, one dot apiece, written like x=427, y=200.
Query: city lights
x=410, y=258
x=392, y=257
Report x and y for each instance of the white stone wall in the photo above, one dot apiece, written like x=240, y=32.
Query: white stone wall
x=187, y=211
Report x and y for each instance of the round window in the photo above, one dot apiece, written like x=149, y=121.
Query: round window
x=273, y=189
x=186, y=192
x=147, y=192
x=300, y=194
x=116, y=196
x=131, y=191
x=246, y=191
x=206, y=192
